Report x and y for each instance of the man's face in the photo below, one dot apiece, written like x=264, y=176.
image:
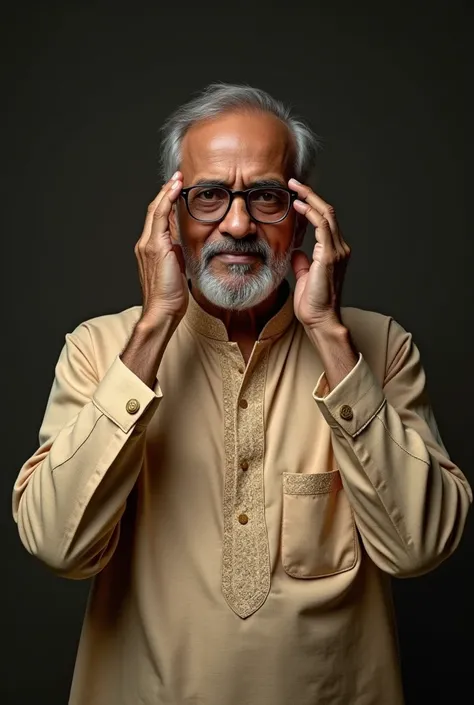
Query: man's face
x=236, y=263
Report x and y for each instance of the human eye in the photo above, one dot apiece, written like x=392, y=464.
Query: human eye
x=267, y=196
x=210, y=194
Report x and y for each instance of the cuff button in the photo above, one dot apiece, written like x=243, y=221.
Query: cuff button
x=346, y=413
x=132, y=406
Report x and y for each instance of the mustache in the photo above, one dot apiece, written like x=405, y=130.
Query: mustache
x=246, y=246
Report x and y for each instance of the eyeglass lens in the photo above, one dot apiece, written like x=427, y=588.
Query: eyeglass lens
x=267, y=205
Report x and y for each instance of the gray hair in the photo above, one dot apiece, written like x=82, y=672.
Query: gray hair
x=220, y=98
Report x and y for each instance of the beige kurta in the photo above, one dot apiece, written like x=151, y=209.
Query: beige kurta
x=242, y=526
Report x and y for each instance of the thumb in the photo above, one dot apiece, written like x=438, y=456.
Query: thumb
x=300, y=263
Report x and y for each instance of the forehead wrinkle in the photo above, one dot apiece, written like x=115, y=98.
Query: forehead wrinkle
x=218, y=168
x=231, y=146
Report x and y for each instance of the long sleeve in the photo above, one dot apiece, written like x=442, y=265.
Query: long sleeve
x=70, y=495
x=409, y=500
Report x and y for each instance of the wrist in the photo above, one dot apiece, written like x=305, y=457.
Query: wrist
x=153, y=333
x=336, y=350
x=327, y=339
x=151, y=323
x=147, y=345
x=330, y=329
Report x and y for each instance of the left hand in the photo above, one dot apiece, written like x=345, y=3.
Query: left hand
x=319, y=283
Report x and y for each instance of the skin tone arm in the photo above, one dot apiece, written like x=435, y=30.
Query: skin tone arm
x=319, y=286
x=165, y=292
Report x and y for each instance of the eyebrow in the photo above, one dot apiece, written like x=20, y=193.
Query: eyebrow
x=260, y=183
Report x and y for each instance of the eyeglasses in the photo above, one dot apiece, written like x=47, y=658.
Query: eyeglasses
x=208, y=203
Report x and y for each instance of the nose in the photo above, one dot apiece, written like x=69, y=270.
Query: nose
x=237, y=223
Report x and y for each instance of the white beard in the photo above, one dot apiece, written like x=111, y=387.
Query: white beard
x=240, y=288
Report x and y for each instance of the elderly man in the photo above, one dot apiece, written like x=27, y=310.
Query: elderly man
x=240, y=467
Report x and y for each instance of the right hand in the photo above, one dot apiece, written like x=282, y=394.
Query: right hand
x=160, y=260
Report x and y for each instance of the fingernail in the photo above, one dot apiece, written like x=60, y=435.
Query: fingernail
x=175, y=185
x=297, y=202
x=175, y=175
x=296, y=181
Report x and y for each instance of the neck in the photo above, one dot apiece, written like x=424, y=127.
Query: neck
x=245, y=325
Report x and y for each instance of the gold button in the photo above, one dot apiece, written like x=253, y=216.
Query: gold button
x=244, y=465
x=241, y=370
x=243, y=403
x=132, y=406
x=243, y=518
x=346, y=412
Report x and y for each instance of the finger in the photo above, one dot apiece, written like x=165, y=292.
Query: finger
x=160, y=227
x=305, y=193
x=177, y=176
x=300, y=263
x=147, y=228
x=322, y=229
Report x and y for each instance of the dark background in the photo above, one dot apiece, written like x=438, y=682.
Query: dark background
x=86, y=87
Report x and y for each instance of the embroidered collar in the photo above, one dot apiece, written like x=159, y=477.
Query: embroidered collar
x=211, y=327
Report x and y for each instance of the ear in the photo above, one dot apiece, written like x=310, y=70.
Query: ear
x=300, y=229
x=173, y=218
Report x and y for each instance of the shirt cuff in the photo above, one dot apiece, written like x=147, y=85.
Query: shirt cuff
x=354, y=402
x=123, y=397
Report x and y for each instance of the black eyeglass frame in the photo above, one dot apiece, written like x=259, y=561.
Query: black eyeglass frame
x=245, y=195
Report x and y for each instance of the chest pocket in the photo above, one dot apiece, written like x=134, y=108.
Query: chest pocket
x=318, y=531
